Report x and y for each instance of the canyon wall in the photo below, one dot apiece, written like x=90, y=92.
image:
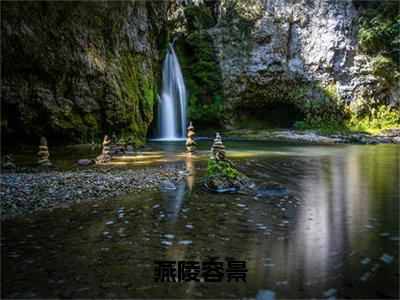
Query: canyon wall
x=77, y=70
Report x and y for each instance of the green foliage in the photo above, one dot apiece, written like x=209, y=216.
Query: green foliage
x=379, y=29
x=221, y=170
x=369, y=116
x=133, y=141
x=200, y=68
x=366, y=116
x=198, y=17
x=385, y=67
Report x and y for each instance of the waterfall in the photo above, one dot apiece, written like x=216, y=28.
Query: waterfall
x=173, y=103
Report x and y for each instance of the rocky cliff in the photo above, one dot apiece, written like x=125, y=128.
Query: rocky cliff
x=277, y=49
x=79, y=69
x=290, y=60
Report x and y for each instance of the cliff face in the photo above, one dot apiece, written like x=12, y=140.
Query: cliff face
x=79, y=69
x=272, y=50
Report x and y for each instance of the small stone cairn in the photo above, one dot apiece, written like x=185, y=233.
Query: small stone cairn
x=110, y=147
x=190, y=142
x=221, y=173
x=105, y=151
x=121, y=146
x=218, y=149
x=44, y=153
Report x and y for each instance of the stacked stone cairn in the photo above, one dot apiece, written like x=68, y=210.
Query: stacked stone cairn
x=218, y=149
x=44, y=153
x=105, y=151
x=221, y=173
x=190, y=142
x=110, y=148
x=121, y=146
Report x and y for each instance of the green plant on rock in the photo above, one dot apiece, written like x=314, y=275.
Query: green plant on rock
x=222, y=169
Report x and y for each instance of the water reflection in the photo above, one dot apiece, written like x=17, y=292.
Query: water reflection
x=340, y=219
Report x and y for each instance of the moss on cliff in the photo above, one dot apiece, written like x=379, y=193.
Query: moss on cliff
x=200, y=68
x=79, y=70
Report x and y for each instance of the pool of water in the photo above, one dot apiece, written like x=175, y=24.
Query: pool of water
x=335, y=234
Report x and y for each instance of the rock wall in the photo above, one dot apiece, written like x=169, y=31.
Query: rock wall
x=279, y=45
x=76, y=70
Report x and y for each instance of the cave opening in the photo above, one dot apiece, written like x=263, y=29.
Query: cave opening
x=270, y=115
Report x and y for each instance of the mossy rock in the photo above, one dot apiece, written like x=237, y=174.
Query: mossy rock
x=222, y=177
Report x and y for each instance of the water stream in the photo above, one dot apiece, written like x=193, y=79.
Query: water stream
x=336, y=233
x=172, y=119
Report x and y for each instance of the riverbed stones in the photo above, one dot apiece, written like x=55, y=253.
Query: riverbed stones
x=190, y=142
x=44, y=154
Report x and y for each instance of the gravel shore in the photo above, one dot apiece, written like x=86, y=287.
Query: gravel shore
x=23, y=192
x=392, y=136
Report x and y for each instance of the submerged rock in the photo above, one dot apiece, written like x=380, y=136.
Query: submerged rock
x=272, y=189
x=84, y=162
x=221, y=173
x=167, y=185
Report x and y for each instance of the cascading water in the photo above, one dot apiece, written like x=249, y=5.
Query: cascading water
x=173, y=103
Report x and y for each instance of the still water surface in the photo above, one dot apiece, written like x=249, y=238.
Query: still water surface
x=336, y=234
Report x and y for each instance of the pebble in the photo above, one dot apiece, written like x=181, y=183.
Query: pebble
x=240, y=205
x=169, y=236
x=387, y=258
x=365, y=261
x=190, y=226
x=365, y=276
x=185, y=242
x=111, y=222
x=265, y=295
x=167, y=243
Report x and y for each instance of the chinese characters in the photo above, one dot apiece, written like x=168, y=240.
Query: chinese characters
x=212, y=271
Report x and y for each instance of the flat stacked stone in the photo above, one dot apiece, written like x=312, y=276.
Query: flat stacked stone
x=44, y=153
x=218, y=148
x=190, y=142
